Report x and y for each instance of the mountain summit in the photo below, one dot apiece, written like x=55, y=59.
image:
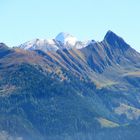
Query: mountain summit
x=66, y=39
x=116, y=41
x=61, y=41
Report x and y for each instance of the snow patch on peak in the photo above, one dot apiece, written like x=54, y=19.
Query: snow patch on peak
x=40, y=44
x=66, y=39
x=51, y=41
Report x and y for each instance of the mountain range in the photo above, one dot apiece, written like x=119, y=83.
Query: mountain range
x=66, y=89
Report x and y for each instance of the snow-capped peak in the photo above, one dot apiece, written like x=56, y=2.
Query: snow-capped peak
x=40, y=44
x=66, y=39
x=62, y=41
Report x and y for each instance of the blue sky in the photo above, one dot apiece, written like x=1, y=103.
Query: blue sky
x=23, y=20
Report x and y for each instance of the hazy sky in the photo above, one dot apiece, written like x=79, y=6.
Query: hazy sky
x=23, y=20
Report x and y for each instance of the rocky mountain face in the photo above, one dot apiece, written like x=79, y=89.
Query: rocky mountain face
x=64, y=89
